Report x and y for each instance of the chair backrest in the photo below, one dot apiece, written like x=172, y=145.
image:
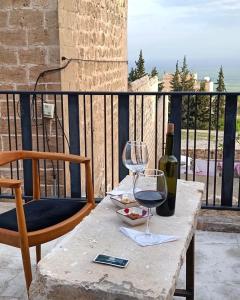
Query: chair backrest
x=9, y=156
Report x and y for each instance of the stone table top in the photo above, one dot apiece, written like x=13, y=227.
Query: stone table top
x=68, y=272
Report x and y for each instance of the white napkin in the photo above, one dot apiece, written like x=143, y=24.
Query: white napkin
x=137, y=236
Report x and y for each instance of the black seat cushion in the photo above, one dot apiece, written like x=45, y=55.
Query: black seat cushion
x=41, y=214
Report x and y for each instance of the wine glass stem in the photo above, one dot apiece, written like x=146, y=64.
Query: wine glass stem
x=134, y=180
x=148, y=220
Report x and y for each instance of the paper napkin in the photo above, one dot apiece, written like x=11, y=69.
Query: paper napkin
x=139, y=238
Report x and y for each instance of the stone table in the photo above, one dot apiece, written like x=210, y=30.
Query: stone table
x=68, y=272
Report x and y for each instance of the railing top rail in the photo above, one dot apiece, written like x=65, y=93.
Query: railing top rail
x=102, y=93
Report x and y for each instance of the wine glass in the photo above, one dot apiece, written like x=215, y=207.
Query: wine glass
x=135, y=157
x=150, y=190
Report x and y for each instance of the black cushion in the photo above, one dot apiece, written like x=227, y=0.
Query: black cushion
x=41, y=214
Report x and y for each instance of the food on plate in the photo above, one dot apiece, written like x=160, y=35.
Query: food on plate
x=133, y=215
x=125, y=199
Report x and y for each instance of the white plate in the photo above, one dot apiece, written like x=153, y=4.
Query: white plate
x=117, y=202
x=123, y=216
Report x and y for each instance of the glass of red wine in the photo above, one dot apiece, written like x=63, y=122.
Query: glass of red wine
x=150, y=190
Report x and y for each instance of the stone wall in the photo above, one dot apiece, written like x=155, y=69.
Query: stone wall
x=29, y=43
x=34, y=35
x=95, y=31
x=148, y=84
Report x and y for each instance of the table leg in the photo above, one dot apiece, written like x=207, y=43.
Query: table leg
x=190, y=270
x=189, y=292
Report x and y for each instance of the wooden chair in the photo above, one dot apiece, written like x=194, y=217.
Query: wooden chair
x=40, y=221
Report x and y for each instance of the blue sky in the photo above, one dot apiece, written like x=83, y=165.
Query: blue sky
x=204, y=30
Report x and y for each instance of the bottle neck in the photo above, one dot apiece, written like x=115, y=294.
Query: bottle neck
x=169, y=144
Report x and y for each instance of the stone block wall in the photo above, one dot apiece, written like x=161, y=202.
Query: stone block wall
x=29, y=43
x=34, y=35
x=95, y=31
x=148, y=84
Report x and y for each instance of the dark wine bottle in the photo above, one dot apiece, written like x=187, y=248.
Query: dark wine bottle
x=169, y=165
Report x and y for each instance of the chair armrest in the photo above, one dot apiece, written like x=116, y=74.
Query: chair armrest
x=10, y=183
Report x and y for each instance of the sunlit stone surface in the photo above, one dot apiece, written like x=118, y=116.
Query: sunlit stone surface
x=68, y=272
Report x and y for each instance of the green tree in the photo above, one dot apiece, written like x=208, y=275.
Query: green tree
x=186, y=77
x=140, y=66
x=132, y=75
x=154, y=72
x=160, y=86
x=220, y=81
x=203, y=108
x=139, y=71
x=183, y=80
x=218, y=102
x=175, y=82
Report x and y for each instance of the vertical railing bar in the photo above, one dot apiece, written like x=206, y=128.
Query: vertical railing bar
x=36, y=121
x=187, y=136
x=57, y=148
x=15, y=129
x=74, y=140
x=44, y=148
x=176, y=118
x=135, y=117
x=85, y=125
x=35, y=117
x=230, y=116
x=216, y=151
x=142, y=117
x=112, y=141
x=26, y=130
x=163, y=126
x=209, y=146
x=63, y=147
x=238, y=191
x=92, y=139
x=123, y=132
x=239, y=176
x=156, y=130
x=105, y=144
x=238, y=97
x=9, y=134
x=195, y=139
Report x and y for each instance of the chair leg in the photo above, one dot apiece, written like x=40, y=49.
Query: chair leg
x=23, y=237
x=26, y=264
x=38, y=253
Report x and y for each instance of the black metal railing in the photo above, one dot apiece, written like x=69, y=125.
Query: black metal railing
x=98, y=124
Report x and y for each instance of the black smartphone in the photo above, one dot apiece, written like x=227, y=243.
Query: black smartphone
x=110, y=260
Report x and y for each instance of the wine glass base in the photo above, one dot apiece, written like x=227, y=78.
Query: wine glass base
x=147, y=238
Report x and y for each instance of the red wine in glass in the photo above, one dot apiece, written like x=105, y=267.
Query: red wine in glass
x=150, y=190
x=150, y=198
